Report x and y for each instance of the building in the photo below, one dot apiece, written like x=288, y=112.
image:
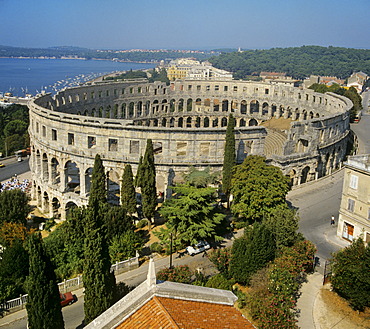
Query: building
x=357, y=80
x=302, y=132
x=155, y=304
x=185, y=68
x=326, y=80
x=354, y=213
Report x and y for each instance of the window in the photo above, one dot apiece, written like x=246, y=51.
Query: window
x=198, y=88
x=208, y=88
x=43, y=131
x=71, y=139
x=266, y=91
x=37, y=127
x=189, y=87
x=181, y=148
x=351, y=205
x=134, y=147
x=225, y=88
x=235, y=88
x=112, y=144
x=54, y=136
x=353, y=182
x=217, y=87
x=91, y=141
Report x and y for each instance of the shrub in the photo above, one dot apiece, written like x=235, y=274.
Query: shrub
x=156, y=247
x=221, y=259
x=142, y=223
x=218, y=281
x=181, y=274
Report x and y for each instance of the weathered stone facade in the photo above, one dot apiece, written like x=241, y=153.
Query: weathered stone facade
x=187, y=122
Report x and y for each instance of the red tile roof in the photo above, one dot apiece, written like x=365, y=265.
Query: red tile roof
x=166, y=313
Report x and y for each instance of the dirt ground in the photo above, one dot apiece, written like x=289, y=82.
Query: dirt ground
x=337, y=314
x=281, y=123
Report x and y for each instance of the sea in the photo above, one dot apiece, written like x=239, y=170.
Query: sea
x=22, y=76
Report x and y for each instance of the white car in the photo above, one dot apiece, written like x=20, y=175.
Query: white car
x=199, y=247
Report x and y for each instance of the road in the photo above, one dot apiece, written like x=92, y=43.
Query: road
x=12, y=166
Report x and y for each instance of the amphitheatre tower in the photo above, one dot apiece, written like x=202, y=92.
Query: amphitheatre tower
x=302, y=132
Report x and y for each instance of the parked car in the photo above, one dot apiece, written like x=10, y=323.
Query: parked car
x=1, y=165
x=199, y=247
x=67, y=299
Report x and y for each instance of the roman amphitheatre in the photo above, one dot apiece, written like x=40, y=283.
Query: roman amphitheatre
x=302, y=132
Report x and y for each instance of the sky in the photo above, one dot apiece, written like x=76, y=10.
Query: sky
x=184, y=24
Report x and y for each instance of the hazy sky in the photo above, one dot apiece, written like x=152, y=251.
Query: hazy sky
x=184, y=24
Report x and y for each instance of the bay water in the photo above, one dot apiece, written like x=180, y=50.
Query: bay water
x=29, y=75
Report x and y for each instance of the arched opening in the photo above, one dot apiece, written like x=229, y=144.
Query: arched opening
x=304, y=175
x=113, y=187
x=46, y=203
x=188, y=122
x=216, y=105
x=55, y=173
x=215, y=122
x=242, y=123
x=224, y=122
x=45, y=168
x=88, y=175
x=252, y=122
x=181, y=122
x=131, y=110
x=56, y=208
x=265, y=109
x=243, y=107
x=181, y=105
x=69, y=206
x=139, y=109
x=225, y=105
x=254, y=107
x=189, y=105
x=206, y=122
x=72, y=177
x=172, y=105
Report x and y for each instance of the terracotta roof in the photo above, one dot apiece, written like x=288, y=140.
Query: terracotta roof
x=166, y=313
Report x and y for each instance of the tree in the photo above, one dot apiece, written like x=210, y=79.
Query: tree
x=98, y=280
x=139, y=172
x=128, y=193
x=191, y=215
x=124, y=246
x=148, y=182
x=98, y=190
x=43, y=303
x=350, y=279
x=14, y=268
x=117, y=222
x=14, y=206
x=251, y=252
x=283, y=223
x=229, y=156
x=257, y=189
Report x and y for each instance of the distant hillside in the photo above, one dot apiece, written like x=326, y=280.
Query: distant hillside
x=123, y=55
x=299, y=62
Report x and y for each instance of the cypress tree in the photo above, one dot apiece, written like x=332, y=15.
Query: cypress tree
x=98, y=191
x=128, y=193
x=99, y=282
x=139, y=172
x=43, y=304
x=229, y=156
x=148, y=183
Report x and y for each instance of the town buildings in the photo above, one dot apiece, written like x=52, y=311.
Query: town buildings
x=354, y=213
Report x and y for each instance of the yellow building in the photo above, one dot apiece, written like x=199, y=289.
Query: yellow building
x=354, y=213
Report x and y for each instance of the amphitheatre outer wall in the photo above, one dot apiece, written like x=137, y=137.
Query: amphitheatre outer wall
x=187, y=123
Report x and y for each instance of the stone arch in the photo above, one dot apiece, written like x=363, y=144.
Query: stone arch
x=181, y=105
x=45, y=167
x=55, y=208
x=88, y=175
x=197, y=122
x=172, y=105
x=38, y=163
x=215, y=122
x=72, y=174
x=207, y=104
x=305, y=174
x=164, y=105
x=216, y=105
x=254, y=107
x=243, y=107
x=39, y=197
x=242, y=123
x=55, y=171
x=172, y=122
x=188, y=122
x=225, y=105
x=223, y=122
x=265, y=108
x=253, y=122
x=131, y=110
x=293, y=177
x=180, y=122
x=46, y=203
x=164, y=122
x=198, y=104
x=189, y=105
x=206, y=122
x=69, y=206
x=139, y=108
x=113, y=186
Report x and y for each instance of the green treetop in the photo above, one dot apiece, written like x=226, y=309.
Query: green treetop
x=229, y=156
x=98, y=191
x=43, y=303
x=257, y=189
x=128, y=193
x=191, y=215
x=148, y=182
